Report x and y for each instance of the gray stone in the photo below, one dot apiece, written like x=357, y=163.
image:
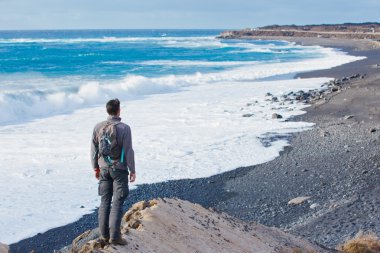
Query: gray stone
x=348, y=117
x=314, y=205
x=298, y=200
x=326, y=134
x=276, y=116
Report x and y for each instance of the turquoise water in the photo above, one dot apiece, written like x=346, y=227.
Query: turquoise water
x=44, y=73
x=116, y=53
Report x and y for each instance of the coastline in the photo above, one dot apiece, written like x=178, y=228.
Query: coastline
x=257, y=193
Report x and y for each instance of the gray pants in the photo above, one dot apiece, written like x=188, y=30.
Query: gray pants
x=113, y=186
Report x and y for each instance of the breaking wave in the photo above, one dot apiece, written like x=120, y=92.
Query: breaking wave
x=18, y=106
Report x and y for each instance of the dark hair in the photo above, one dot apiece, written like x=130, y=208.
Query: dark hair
x=113, y=106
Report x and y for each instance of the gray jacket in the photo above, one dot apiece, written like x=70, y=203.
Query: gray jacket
x=123, y=137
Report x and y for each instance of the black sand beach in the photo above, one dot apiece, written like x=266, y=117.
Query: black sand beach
x=337, y=164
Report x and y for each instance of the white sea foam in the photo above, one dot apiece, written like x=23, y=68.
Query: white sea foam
x=192, y=127
x=103, y=39
x=190, y=134
x=198, y=63
x=16, y=106
x=173, y=42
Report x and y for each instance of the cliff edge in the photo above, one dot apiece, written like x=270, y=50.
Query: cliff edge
x=172, y=225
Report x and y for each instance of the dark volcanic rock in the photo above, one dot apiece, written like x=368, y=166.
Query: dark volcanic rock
x=276, y=116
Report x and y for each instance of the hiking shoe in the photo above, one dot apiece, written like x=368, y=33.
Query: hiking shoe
x=103, y=241
x=119, y=241
x=104, y=238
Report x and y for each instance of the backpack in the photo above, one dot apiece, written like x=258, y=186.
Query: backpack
x=108, y=146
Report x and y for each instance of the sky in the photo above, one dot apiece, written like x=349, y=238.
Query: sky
x=185, y=14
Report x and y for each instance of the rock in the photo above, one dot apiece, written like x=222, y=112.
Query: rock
x=268, y=94
x=276, y=116
x=334, y=88
x=4, y=248
x=298, y=200
x=87, y=237
x=247, y=115
x=173, y=225
x=93, y=246
x=274, y=99
x=314, y=205
x=325, y=134
x=372, y=130
x=355, y=76
x=348, y=117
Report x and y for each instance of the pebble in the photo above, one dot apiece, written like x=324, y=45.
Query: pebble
x=276, y=116
x=348, y=117
x=298, y=200
x=274, y=99
x=325, y=134
x=313, y=206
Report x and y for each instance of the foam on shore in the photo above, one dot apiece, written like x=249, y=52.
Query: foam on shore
x=22, y=105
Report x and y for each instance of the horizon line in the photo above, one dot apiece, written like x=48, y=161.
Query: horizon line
x=81, y=29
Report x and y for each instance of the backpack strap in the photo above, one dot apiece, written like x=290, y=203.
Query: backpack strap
x=122, y=155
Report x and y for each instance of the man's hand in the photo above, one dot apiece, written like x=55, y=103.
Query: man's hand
x=132, y=177
x=97, y=173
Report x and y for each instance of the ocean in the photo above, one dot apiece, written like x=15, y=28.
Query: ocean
x=183, y=92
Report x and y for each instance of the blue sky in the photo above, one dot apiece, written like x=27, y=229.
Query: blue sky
x=76, y=14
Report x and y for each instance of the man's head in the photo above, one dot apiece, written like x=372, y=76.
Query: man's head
x=113, y=107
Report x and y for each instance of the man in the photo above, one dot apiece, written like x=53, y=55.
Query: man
x=112, y=156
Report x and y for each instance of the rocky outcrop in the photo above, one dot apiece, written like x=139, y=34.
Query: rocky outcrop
x=339, y=31
x=172, y=225
x=367, y=27
x=4, y=248
x=323, y=93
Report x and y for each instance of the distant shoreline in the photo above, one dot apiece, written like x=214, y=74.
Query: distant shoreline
x=360, y=31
